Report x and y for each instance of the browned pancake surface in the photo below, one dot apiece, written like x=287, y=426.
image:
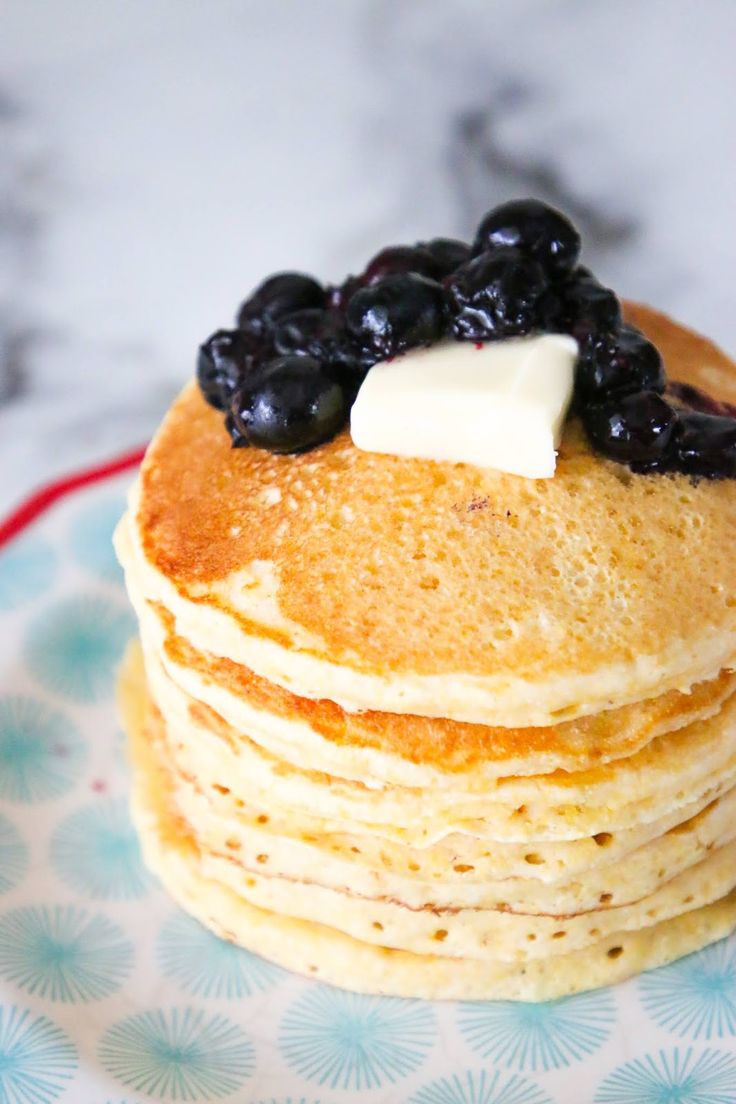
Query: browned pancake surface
x=411, y=566
x=455, y=745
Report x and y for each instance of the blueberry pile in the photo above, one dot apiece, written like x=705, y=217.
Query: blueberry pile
x=287, y=376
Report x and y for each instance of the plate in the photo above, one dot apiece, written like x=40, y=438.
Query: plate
x=108, y=993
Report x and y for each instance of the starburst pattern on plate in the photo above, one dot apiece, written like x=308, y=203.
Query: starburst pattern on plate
x=206, y=966
x=13, y=855
x=672, y=1077
x=63, y=953
x=36, y=1058
x=289, y=1100
x=96, y=852
x=349, y=1041
x=74, y=647
x=26, y=571
x=41, y=751
x=91, y=538
x=539, y=1036
x=482, y=1087
x=695, y=996
x=183, y=1053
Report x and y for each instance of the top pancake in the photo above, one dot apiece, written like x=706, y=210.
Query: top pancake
x=444, y=589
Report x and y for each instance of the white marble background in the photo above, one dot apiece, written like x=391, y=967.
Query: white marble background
x=158, y=157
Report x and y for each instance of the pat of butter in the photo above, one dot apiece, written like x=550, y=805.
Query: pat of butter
x=498, y=405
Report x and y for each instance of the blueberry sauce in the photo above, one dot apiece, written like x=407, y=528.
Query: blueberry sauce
x=497, y=294
x=617, y=364
x=286, y=377
x=692, y=397
x=397, y=313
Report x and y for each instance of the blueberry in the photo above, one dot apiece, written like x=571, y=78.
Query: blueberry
x=339, y=295
x=312, y=332
x=289, y=404
x=618, y=363
x=497, y=294
x=447, y=254
x=322, y=335
x=696, y=399
x=398, y=260
x=706, y=445
x=397, y=314
x=434, y=259
x=583, y=307
x=221, y=363
x=636, y=429
x=535, y=229
x=279, y=295
x=237, y=439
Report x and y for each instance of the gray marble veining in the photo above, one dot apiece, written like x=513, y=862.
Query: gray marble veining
x=156, y=160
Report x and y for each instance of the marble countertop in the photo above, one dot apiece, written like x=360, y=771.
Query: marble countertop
x=158, y=158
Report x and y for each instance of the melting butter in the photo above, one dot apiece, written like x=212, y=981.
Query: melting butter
x=498, y=405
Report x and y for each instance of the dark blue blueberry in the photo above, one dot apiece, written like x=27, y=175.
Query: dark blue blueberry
x=582, y=307
x=322, y=334
x=396, y=314
x=447, y=254
x=221, y=363
x=535, y=229
x=398, y=260
x=339, y=295
x=289, y=404
x=617, y=363
x=237, y=439
x=497, y=294
x=636, y=429
x=706, y=445
x=279, y=295
x=696, y=399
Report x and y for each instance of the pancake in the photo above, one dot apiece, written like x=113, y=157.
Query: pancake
x=457, y=858
x=558, y=806
x=411, y=750
x=555, y=875
x=547, y=600
x=319, y=858
x=432, y=730
x=464, y=931
x=320, y=951
x=255, y=839
x=473, y=933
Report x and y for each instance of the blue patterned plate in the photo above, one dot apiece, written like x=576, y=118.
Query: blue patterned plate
x=109, y=994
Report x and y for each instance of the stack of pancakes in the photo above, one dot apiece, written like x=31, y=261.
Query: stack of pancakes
x=433, y=730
